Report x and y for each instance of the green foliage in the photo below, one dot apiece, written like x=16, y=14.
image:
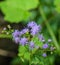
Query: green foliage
x=18, y=10
x=27, y=55
x=37, y=41
x=35, y=61
x=16, y=61
x=0, y=6
x=22, y=50
x=47, y=2
x=57, y=4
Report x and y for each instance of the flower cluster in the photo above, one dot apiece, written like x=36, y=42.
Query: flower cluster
x=31, y=30
x=24, y=37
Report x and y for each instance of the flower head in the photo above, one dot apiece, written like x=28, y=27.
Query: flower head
x=44, y=55
x=41, y=38
x=49, y=40
x=31, y=44
x=16, y=33
x=35, y=30
x=51, y=48
x=23, y=41
x=24, y=31
x=31, y=24
x=37, y=47
x=4, y=28
x=45, y=46
x=17, y=39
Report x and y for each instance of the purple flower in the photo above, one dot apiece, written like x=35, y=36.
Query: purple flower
x=17, y=39
x=44, y=55
x=31, y=44
x=35, y=30
x=41, y=38
x=24, y=31
x=23, y=41
x=16, y=33
x=45, y=46
x=31, y=24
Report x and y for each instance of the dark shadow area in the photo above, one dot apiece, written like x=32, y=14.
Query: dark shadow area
x=5, y=60
x=57, y=60
x=7, y=45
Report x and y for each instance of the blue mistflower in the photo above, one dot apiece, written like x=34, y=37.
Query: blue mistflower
x=16, y=33
x=17, y=39
x=35, y=30
x=44, y=55
x=31, y=24
x=24, y=31
x=23, y=41
x=45, y=46
x=41, y=38
x=32, y=39
x=31, y=44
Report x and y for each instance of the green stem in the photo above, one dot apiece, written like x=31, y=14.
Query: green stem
x=5, y=36
x=49, y=28
x=59, y=35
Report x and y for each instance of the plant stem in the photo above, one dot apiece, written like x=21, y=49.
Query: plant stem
x=5, y=36
x=59, y=35
x=49, y=28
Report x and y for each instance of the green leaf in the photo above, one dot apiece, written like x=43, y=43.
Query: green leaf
x=16, y=61
x=22, y=50
x=35, y=61
x=27, y=56
x=37, y=41
x=51, y=59
x=23, y=4
x=17, y=10
x=57, y=4
x=33, y=15
x=14, y=14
